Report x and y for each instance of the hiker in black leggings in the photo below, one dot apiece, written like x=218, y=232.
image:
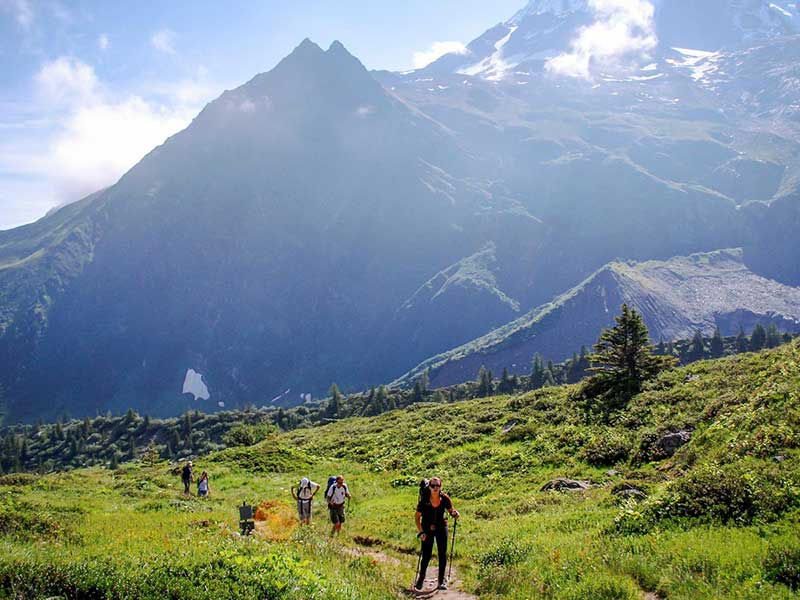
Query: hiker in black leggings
x=432, y=525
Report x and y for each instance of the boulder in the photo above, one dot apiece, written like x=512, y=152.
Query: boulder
x=669, y=443
x=566, y=485
x=626, y=490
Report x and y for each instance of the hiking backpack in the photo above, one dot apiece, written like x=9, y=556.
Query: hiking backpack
x=424, y=491
x=331, y=483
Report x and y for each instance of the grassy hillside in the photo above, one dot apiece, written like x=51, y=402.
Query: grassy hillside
x=718, y=518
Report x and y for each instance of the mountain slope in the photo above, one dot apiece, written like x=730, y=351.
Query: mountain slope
x=676, y=298
x=250, y=246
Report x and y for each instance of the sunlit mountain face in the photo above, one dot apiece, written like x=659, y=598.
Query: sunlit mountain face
x=323, y=223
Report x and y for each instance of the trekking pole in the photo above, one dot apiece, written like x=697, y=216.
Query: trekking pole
x=419, y=562
x=452, y=548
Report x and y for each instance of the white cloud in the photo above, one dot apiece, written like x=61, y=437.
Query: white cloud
x=163, y=40
x=22, y=11
x=623, y=30
x=67, y=80
x=91, y=136
x=437, y=49
x=103, y=42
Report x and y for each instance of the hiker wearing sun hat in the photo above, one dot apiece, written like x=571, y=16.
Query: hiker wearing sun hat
x=304, y=495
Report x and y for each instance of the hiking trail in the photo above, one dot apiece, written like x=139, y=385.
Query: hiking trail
x=431, y=576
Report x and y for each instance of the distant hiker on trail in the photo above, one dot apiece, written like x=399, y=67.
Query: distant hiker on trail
x=202, y=485
x=336, y=495
x=187, y=476
x=304, y=496
x=432, y=525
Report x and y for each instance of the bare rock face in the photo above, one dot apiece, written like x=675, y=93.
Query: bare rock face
x=670, y=443
x=566, y=485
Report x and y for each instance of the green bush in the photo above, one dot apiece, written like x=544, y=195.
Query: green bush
x=508, y=552
x=729, y=493
x=606, y=449
x=605, y=587
x=782, y=564
x=248, y=434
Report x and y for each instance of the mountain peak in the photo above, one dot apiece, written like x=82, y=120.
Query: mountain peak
x=544, y=7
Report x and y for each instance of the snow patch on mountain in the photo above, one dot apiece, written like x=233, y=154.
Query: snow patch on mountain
x=554, y=7
x=495, y=66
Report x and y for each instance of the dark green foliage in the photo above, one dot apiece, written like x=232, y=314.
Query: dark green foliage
x=485, y=383
x=623, y=360
x=717, y=345
x=782, y=564
x=742, y=344
x=729, y=494
x=606, y=448
x=697, y=350
x=774, y=338
x=537, y=372
x=248, y=434
x=335, y=403
x=758, y=339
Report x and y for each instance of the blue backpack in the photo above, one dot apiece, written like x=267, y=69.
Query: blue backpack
x=331, y=483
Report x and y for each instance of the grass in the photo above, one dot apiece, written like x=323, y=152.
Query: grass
x=720, y=519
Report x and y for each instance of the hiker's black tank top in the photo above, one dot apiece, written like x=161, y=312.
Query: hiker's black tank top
x=434, y=515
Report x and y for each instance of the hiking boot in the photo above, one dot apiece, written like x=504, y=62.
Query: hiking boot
x=442, y=586
x=419, y=584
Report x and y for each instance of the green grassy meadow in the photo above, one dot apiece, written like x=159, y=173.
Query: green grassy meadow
x=720, y=518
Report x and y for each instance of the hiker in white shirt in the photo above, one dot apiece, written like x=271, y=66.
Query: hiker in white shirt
x=304, y=495
x=336, y=496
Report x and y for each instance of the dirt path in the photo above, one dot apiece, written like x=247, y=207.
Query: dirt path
x=431, y=576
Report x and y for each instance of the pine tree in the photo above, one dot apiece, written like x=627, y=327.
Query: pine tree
x=661, y=349
x=335, y=403
x=418, y=391
x=132, y=447
x=425, y=380
x=773, y=336
x=717, y=346
x=537, y=372
x=742, y=344
x=506, y=385
x=758, y=339
x=697, y=350
x=175, y=442
x=547, y=378
x=113, y=464
x=623, y=356
x=485, y=384
x=186, y=426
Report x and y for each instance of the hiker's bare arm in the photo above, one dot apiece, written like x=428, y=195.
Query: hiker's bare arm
x=293, y=494
x=418, y=521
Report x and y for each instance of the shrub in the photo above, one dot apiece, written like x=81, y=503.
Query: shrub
x=509, y=552
x=606, y=449
x=605, y=587
x=782, y=564
x=248, y=434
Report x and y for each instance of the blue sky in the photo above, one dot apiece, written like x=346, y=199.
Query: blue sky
x=87, y=88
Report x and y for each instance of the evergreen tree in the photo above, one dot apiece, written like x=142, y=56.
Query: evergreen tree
x=113, y=464
x=186, y=426
x=773, y=336
x=73, y=448
x=485, y=384
x=506, y=384
x=130, y=417
x=425, y=380
x=661, y=349
x=623, y=356
x=418, y=391
x=697, y=350
x=717, y=346
x=335, y=403
x=547, y=378
x=742, y=345
x=132, y=446
x=537, y=372
x=175, y=442
x=86, y=427
x=758, y=339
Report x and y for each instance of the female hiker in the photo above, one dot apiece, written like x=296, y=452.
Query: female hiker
x=202, y=485
x=304, y=496
x=432, y=525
